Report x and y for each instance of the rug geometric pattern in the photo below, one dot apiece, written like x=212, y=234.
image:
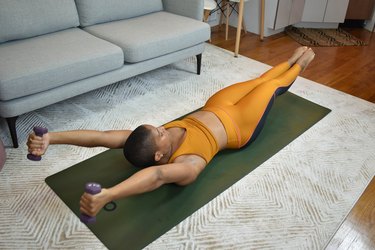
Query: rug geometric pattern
x=323, y=37
x=295, y=200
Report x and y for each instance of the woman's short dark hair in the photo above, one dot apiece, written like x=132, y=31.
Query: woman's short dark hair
x=140, y=147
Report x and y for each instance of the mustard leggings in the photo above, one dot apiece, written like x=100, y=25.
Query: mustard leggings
x=243, y=107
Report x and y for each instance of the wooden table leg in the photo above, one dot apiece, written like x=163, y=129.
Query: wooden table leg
x=261, y=33
x=239, y=25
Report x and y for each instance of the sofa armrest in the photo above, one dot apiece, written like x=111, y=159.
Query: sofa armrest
x=188, y=8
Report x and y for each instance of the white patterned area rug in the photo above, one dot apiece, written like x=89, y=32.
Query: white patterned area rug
x=295, y=200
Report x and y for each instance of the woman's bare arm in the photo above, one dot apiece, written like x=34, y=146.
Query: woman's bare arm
x=86, y=138
x=91, y=138
x=143, y=181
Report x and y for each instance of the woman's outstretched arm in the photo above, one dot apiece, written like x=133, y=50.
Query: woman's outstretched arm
x=145, y=180
x=86, y=138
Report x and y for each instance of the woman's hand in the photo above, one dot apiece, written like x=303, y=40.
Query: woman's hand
x=38, y=145
x=91, y=204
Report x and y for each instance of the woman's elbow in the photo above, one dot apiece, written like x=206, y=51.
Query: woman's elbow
x=159, y=178
x=188, y=180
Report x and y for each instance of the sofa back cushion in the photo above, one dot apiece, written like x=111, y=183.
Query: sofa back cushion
x=27, y=18
x=98, y=11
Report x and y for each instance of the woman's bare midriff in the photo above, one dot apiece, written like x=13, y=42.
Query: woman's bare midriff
x=214, y=124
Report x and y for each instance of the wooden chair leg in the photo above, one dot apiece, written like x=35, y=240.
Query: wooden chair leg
x=228, y=6
x=206, y=14
x=223, y=5
x=243, y=19
x=243, y=25
x=227, y=13
x=12, y=129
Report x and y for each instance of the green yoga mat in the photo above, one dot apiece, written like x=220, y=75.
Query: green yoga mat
x=139, y=220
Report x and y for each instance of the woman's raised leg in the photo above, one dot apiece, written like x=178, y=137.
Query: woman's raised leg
x=234, y=93
x=250, y=112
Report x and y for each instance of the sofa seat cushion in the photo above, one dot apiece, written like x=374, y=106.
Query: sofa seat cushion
x=149, y=36
x=45, y=62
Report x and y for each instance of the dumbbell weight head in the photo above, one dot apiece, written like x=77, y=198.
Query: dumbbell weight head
x=90, y=188
x=39, y=131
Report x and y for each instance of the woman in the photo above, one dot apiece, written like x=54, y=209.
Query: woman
x=178, y=151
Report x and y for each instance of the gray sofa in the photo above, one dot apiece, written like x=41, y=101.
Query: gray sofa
x=51, y=50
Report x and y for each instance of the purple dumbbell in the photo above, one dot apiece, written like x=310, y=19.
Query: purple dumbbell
x=90, y=188
x=39, y=131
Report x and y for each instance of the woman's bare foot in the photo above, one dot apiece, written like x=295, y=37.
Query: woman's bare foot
x=296, y=55
x=306, y=58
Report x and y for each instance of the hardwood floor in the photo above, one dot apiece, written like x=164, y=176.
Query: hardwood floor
x=357, y=231
x=350, y=69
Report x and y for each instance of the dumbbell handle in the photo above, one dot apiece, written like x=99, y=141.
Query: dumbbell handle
x=91, y=188
x=39, y=131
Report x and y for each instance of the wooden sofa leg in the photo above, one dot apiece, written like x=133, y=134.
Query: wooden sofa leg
x=12, y=128
x=199, y=63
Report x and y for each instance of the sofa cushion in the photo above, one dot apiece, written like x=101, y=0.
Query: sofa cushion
x=99, y=11
x=145, y=37
x=45, y=62
x=25, y=18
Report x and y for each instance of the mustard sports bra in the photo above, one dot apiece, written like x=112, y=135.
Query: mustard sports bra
x=199, y=140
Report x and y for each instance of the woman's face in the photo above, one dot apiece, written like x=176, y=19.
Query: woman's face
x=162, y=138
